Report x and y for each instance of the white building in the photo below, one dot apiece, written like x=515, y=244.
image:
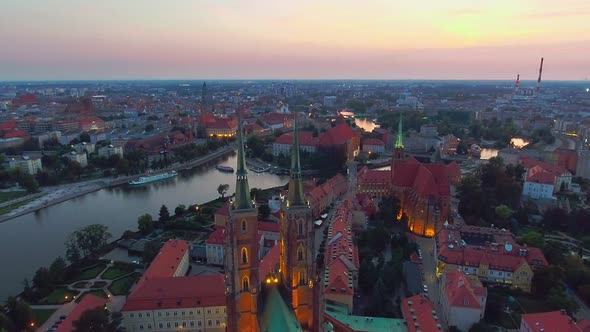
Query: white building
x=67, y=138
x=111, y=150
x=78, y=157
x=372, y=145
x=29, y=165
x=463, y=300
x=42, y=138
x=85, y=147
x=307, y=143
x=538, y=187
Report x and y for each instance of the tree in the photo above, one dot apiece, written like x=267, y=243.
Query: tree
x=74, y=169
x=42, y=279
x=87, y=241
x=555, y=218
x=150, y=251
x=263, y=211
x=19, y=312
x=558, y=299
x=164, y=214
x=546, y=277
x=533, y=239
x=57, y=270
x=98, y=320
x=481, y=327
x=145, y=223
x=179, y=210
x=256, y=145
x=85, y=137
x=503, y=212
x=222, y=189
x=149, y=127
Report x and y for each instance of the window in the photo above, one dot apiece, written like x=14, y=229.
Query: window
x=199, y=323
x=183, y=324
x=209, y=311
x=192, y=323
x=141, y=326
x=300, y=254
x=209, y=322
x=244, y=228
x=167, y=314
x=176, y=313
x=244, y=256
x=148, y=314
x=198, y=311
x=217, y=322
x=168, y=325
x=175, y=324
x=182, y=313
x=190, y=312
x=139, y=315
x=301, y=278
x=149, y=326
x=300, y=228
x=160, y=325
x=216, y=311
x=245, y=286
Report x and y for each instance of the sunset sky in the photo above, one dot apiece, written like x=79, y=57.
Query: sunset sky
x=285, y=39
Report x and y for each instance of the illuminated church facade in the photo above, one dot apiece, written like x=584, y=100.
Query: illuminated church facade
x=424, y=190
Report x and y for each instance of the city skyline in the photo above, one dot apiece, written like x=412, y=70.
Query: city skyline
x=67, y=40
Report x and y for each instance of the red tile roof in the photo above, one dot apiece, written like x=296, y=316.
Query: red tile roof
x=542, y=177
x=9, y=125
x=167, y=260
x=419, y=314
x=223, y=123
x=277, y=118
x=338, y=280
x=270, y=262
x=178, y=292
x=529, y=163
x=89, y=302
x=305, y=139
x=217, y=237
x=459, y=292
x=557, y=321
x=15, y=133
x=336, y=135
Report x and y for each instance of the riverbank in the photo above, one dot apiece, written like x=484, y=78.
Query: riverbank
x=56, y=195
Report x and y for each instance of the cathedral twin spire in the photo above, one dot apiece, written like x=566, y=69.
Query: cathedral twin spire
x=399, y=144
x=242, y=199
x=296, y=197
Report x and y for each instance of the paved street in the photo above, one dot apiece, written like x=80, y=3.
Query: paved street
x=429, y=268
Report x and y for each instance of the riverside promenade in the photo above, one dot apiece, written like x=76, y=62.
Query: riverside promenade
x=54, y=195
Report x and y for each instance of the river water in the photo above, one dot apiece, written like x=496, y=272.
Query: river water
x=34, y=240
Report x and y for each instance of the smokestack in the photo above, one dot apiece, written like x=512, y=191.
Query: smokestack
x=517, y=83
x=540, y=74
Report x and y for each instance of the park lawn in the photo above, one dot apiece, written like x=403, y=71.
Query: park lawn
x=6, y=196
x=115, y=272
x=40, y=316
x=121, y=286
x=60, y=296
x=89, y=272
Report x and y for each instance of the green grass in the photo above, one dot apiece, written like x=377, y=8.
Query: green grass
x=88, y=273
x=115, y=272
x=6, y=196
x=122, y=286
x=11, y=207
x=40, y=316
x=60, y=296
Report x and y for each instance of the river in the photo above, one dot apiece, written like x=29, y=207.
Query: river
x=34, y=240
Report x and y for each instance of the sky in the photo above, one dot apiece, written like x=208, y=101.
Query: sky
x=286, y=39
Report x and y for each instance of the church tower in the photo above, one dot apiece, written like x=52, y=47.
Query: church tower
x=297, y=248
x=398, y=152
x=241, y=248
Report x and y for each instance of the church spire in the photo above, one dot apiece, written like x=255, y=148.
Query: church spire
x=296, y=196
x=242, y=199
x=399, y=144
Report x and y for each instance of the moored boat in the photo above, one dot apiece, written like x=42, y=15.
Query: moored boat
x=153, y=178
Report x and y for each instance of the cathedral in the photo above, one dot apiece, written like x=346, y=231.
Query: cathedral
x=284, y=297
x=424, y=190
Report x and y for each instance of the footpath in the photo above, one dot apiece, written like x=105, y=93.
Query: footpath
x=55, y=195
